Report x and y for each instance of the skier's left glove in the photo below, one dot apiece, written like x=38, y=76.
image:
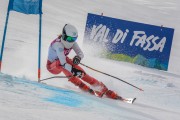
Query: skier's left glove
x=76, y=60
x=77, y=73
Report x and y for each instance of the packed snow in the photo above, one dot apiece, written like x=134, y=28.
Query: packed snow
x=22, y=98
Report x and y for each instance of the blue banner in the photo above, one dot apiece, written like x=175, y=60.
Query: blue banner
x=26, y=6
x=138, y=43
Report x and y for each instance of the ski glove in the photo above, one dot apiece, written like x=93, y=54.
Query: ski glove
x=77, y=73
x=76, y=60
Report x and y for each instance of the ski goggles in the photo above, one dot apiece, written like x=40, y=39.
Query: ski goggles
x=69, y=38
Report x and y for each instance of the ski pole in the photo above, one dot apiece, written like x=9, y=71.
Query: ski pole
x=55, y=77
x=111, y=76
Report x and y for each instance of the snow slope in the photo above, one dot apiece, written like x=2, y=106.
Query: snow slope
x=26, y=100
x=22, y=36
x=21, y=98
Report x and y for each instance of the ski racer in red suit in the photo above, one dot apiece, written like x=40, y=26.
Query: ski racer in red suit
x=58, y=62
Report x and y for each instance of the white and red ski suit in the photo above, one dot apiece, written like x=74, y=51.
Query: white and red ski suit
x=58, y=62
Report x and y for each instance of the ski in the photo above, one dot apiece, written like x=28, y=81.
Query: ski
x=126, y=100
x=129, y=100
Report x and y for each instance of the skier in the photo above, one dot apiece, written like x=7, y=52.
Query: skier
x=58, y=62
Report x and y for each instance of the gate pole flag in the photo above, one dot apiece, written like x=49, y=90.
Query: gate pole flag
x=25, y=7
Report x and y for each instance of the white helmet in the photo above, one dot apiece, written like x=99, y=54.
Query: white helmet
x=69, y=35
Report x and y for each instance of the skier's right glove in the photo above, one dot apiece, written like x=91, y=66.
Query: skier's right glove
x=77, y=73
x=76, y=60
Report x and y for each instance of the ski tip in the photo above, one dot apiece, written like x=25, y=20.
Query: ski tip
x=130, y=100
x=133, y=100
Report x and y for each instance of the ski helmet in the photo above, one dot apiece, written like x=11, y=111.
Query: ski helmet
x=69, y=35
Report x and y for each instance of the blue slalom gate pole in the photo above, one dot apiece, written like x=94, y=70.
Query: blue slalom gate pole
x=39, y=56
x=4, y=38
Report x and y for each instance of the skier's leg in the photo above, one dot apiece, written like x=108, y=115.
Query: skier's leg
x=111, y=94
x=76, y=81
x=53, y=67
x=92, y=81
x=86, y=78
x=101, y=88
